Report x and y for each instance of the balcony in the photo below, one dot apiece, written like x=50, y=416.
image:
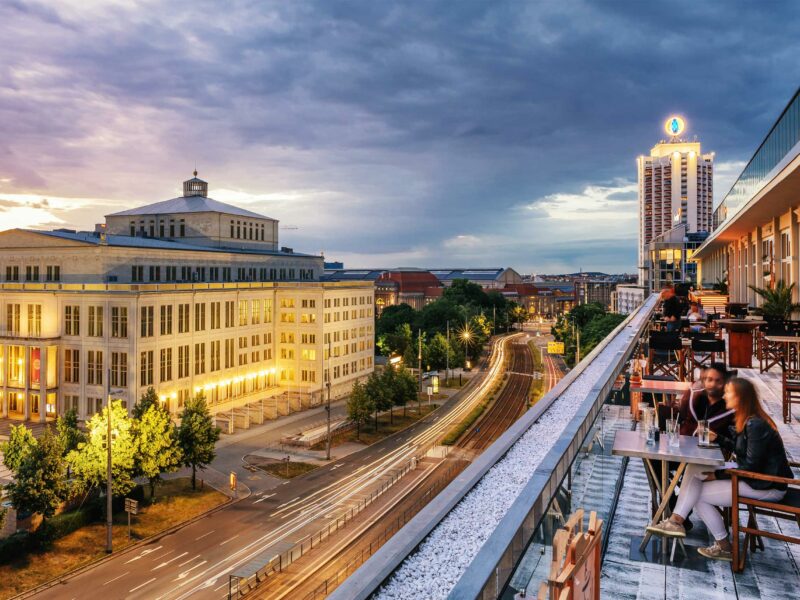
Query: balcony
x=490, y=533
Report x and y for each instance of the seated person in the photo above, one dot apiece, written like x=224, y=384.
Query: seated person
x=697, y=317
x=706, y=403
x=758, y=447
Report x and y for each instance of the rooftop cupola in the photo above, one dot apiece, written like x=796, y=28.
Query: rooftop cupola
x=195, y=187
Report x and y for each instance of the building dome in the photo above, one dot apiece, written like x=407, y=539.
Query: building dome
x=195, y=187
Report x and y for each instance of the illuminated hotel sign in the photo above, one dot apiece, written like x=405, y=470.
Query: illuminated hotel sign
x=674, y=126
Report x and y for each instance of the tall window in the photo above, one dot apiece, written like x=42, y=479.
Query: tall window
x=119, y=321
x=166, y=319
x=255, y=311
x=183, y=318
x=95, y=321
x=32, y=273
x=146, y=368
x=215, y=315
x=34, y=319
x=215, y=356
x=242, y=313
x=72, y=365
x=137, y=273
x=229, y=312
x=12, y=319
x=229, y=353
x=267, y=311
x=53, y=273
x=147, y=322
x=166, y=364
x=72, y=320
x=199, y=316
x=12, y=273
x=94, y=367
x=199, y=358
x=119, y=369
x=183, y=361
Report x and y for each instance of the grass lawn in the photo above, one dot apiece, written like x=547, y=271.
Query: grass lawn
x=369, y=436
x=175, y=503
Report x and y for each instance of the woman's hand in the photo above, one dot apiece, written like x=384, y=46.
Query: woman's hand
x=711, y=435
x=709, y=476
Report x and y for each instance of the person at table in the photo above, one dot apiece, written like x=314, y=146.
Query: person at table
x=706, y=403
x=696, y=316
x=758, y=447
x=671, y=308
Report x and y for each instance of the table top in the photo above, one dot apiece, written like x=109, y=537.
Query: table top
x=657, y=386
x=734, y=322
x=634, y=443
x=788, y=339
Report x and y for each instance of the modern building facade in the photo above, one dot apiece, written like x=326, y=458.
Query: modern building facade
x=756, y=240
x=675, y=189
x=670, y=257
x=186, y=296
x=627, y=298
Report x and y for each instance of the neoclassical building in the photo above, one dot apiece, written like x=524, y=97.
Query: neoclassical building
x=187, y=295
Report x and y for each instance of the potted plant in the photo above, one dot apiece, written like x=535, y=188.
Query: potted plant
x=776, y=301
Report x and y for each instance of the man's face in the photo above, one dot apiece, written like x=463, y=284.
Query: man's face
x=713, y=382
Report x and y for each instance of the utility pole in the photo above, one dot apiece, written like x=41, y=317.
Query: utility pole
x=494, y=320
x=109, y=521
x=447, y=356
x=328, y=406
x=419, y=357
x=578, y=348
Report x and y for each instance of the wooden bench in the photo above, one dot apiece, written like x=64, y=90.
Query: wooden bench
x=788, y=508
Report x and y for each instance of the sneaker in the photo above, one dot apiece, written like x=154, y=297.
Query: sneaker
x=668, y=528
x=716, y=552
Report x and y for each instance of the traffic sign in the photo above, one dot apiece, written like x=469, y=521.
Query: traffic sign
x=555, y=347
x=131, y=506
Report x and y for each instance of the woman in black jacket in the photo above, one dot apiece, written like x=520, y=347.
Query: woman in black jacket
x=757, y=446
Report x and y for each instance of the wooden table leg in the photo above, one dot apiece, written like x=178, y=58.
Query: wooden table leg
x=665, y=496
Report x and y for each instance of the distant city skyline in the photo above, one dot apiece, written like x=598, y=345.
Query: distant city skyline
x=464, y=135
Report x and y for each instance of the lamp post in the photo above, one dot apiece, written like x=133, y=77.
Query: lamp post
x=328, y=405
x=419, y=358
x=447, y=356
x=109, y=522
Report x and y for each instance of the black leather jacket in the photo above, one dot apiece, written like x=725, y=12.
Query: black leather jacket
x=758, y=448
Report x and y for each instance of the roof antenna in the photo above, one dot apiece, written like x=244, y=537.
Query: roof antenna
x=195, y=168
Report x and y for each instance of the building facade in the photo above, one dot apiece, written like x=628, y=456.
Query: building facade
x=143, y=302
x=756, y=240
x=627, y=298
x=675, y=188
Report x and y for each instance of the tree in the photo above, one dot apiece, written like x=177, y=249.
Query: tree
x=39, y=483
x=407, y=387
x=148, y=399
x=378, y=395
x=197, y=436
x=89, y=460
x=438, y=351
x=394, y=316
x=388, y=380
x=19, y=444
x=159, y=451
x=359, y=406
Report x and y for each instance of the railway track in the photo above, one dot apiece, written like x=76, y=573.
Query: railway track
x=508, y=406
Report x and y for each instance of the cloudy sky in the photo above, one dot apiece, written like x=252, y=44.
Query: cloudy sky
x=417, y=133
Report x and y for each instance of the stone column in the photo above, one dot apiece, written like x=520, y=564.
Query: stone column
x=42, y=384
x=794, y=246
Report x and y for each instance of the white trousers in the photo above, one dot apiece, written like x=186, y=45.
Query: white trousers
x=704, y=496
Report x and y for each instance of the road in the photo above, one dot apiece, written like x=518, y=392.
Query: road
x=196, y=560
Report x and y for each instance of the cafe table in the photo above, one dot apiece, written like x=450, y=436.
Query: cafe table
x=740, y=340
x=634, y=444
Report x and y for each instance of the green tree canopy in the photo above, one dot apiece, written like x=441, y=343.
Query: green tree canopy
x=197, y=436
x=359, y=406
x=20, y=443
x=159, y=451
x=69, y=434
x=393, y=316
x=379, y=395
x=39, y=483
x=89, y=460
x=148, y=399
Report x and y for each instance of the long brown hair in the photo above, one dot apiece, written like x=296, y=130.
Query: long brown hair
x=749, y=405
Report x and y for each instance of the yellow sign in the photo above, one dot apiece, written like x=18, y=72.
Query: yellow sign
x=555, y=347
x=674, y=126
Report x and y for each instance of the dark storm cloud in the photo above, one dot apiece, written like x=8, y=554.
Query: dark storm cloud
x=400, y=126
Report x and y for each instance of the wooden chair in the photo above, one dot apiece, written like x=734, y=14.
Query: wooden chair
x=788, y=508
x=770, y=354
x=666, y=355
x=791, y=392
x=706, y=351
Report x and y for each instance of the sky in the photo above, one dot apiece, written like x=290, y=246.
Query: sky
x=385, y=134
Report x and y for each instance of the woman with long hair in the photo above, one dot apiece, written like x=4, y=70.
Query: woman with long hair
x=754, y=441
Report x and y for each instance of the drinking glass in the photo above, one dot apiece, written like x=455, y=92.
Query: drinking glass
x=673, y=433
x=651, y=435
x=703, y=430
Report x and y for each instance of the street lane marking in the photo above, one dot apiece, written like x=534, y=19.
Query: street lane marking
x=163, y=555
x=142, y=585
x=143, y=554
x=204, y=535
x=188, y=561
x=263, y=498
x=163, y=564
x=117, y=577
x=229, y=539
x=186, y=572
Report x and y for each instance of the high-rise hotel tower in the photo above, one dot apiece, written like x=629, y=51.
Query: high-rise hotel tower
x=675, y=189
